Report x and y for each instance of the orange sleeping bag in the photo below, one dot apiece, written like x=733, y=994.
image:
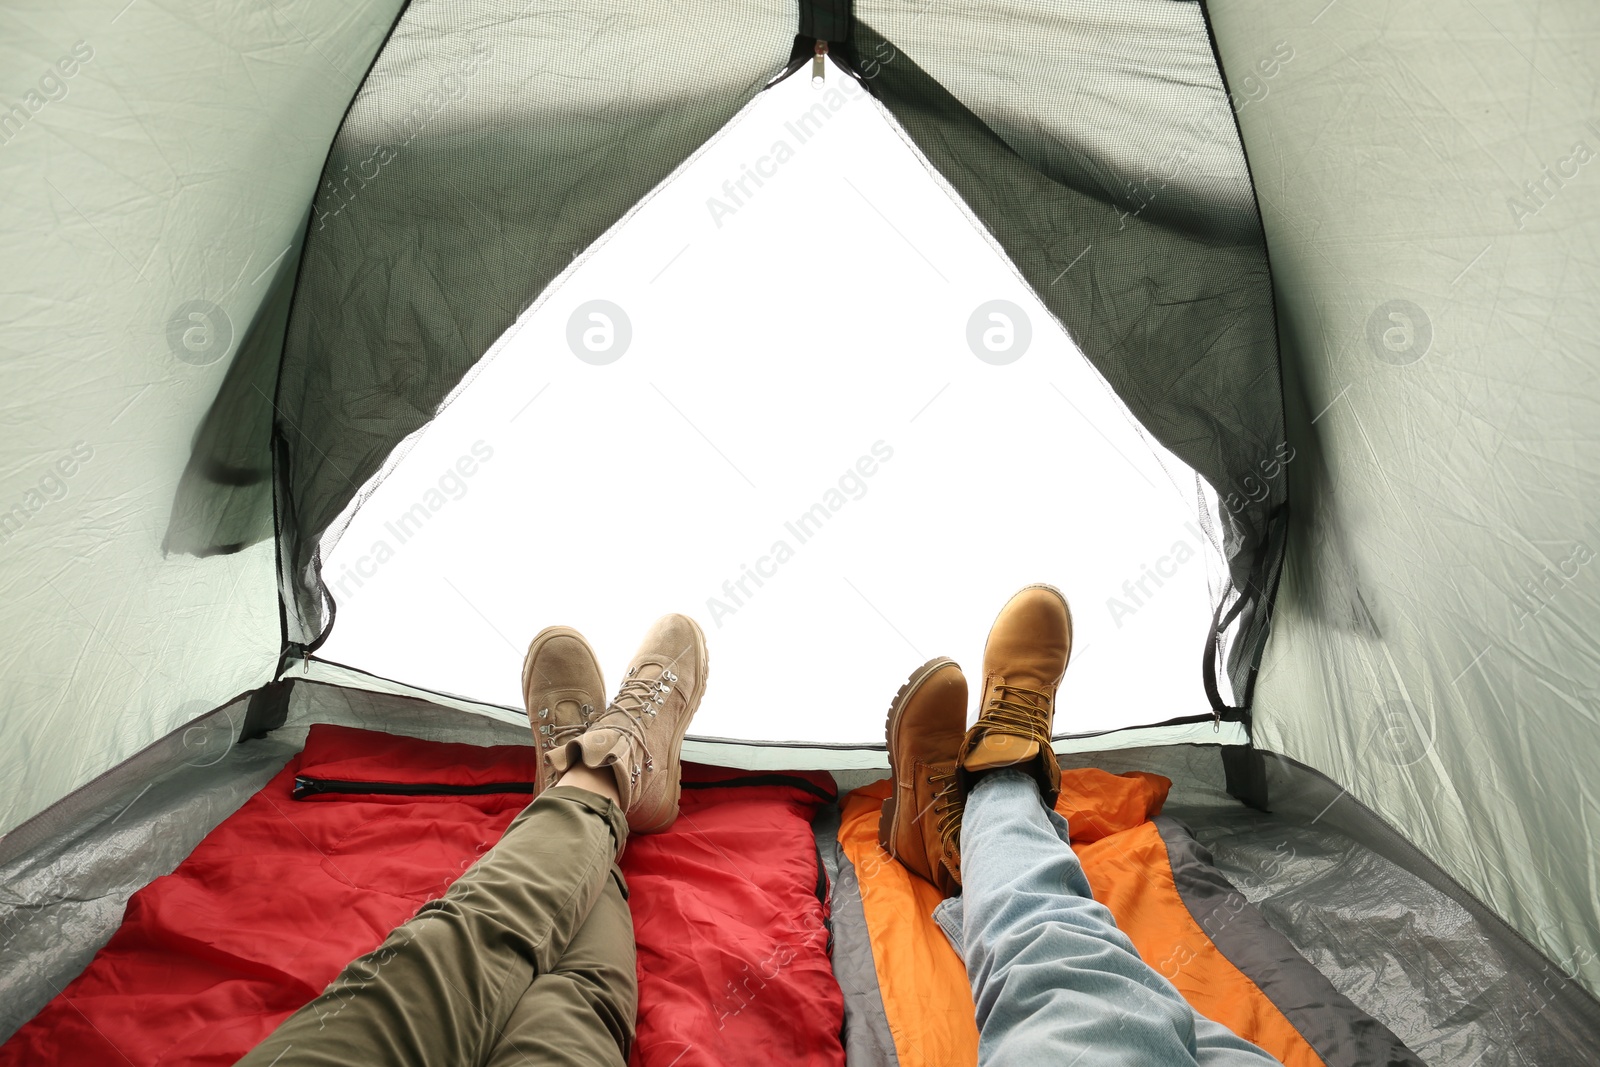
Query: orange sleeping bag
x=926, y=996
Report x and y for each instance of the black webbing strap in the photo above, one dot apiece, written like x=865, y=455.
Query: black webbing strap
x=825, y=20
x=1221, y=622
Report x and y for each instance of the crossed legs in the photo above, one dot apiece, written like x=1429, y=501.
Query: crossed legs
x=539, y=924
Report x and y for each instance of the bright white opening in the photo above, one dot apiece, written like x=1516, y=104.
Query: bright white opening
x=798, y=300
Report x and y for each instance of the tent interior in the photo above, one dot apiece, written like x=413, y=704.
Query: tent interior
x=349, y=345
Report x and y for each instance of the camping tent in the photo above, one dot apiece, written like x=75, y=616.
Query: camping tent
x=1330, y=259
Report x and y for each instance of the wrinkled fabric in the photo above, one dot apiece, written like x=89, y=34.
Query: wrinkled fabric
x=928, y=1003
x=728, y=908
x=1050, y=970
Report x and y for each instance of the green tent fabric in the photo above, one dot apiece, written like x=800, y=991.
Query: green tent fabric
x=1336, y=257
x=1428, y=244
x=158, y=167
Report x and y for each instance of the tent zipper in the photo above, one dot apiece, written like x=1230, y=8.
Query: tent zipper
x=819, y=65
x=310, y=787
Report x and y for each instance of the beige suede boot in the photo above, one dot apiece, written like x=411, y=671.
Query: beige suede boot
x=561, y=686
x=640, y=734
x=1023, y=662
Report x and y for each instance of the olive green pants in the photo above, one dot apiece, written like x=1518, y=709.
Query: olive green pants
x=528, y=959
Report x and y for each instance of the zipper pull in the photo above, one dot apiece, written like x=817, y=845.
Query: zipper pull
x=819, y=65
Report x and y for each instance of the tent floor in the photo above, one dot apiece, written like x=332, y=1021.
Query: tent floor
x=1388, y=928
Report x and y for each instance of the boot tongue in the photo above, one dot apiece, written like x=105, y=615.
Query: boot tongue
x=1024, y=674
x=648, y=671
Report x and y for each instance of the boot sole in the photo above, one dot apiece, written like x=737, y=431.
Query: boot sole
x=1065, y=606
x=1070, y=634
x=542, y=638
x=703, y=659
x=886, y=818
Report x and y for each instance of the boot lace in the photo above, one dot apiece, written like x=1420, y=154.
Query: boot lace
x=552, y=735
x=637, y=702
x=1019, y=712
x=947, y=816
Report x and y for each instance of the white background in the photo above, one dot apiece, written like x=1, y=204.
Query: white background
x=771, y=348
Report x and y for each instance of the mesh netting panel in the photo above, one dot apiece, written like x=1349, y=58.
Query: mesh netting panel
x=491, y=143
x=1097, y=143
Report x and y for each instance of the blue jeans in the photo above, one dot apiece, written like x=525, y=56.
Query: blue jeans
x=1053, y=978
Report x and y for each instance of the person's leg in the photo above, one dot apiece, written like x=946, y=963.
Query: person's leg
x=441, y=987
x=1050, y=971
x=582, y=1013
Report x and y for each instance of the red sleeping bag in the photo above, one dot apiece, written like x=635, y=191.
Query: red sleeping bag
x=361, y=828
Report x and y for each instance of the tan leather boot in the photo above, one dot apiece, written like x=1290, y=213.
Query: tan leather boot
x=640, y=734
x=1023, y=661
x=920, y=824
x=561, y=687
